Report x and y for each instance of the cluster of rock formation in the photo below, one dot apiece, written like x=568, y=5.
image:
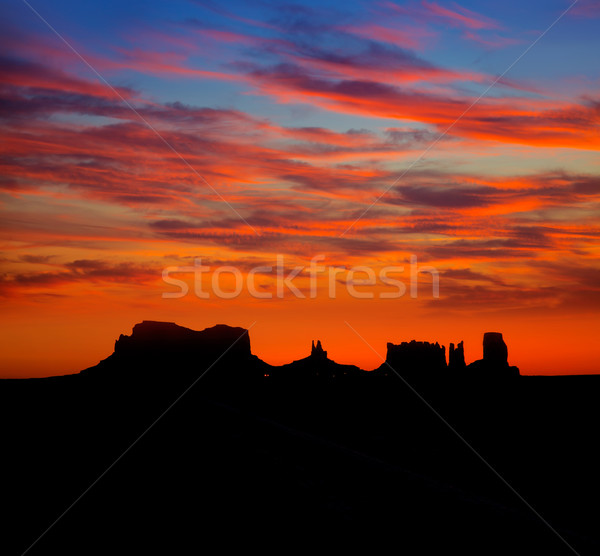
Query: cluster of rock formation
x=424, y=358
x=158, y=348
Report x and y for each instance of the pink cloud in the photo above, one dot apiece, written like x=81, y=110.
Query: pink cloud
x=586, y=8
x=492, y=41
x=460, y=16
x=404, y=37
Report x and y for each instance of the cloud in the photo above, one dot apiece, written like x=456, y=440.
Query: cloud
x=520, y=121
x=43, y=77
x=36, y=259
x=466, y=274
x=68, y=138
x=585, y=8
x=459, y=16
x=491, y=41
x=320, y=180
x=485, y=299
x=447, y=197
x=578, y=294
x=403, y=36
x=434, y=13
x=80, y=271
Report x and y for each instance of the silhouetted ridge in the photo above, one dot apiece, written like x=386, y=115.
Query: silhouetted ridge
x=317, y=364
x=299, y=451
x=165, y=348
x=158, y=337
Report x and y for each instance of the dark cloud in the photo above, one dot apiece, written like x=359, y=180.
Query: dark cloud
x=495, y=249
x=466, y=274
x=444, y=197
x=36, y=259
x=84, y=270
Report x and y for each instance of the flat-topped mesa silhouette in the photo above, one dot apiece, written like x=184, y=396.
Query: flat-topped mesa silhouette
x=420, y=359
x=166, y=348
x=495, y=358
x=156, y=337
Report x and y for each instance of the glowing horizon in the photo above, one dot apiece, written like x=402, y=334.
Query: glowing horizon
x=238, y=134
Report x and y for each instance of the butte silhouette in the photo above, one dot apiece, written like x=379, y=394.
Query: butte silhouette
x=155, y=347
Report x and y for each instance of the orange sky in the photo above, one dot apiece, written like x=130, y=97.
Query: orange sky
x=243, y=139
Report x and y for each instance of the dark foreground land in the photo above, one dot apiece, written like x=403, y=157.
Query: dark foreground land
x=251, y=463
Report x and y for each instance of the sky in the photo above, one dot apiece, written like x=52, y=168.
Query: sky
x=142, y=137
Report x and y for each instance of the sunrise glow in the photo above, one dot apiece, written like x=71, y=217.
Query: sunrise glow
x=143, y=135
